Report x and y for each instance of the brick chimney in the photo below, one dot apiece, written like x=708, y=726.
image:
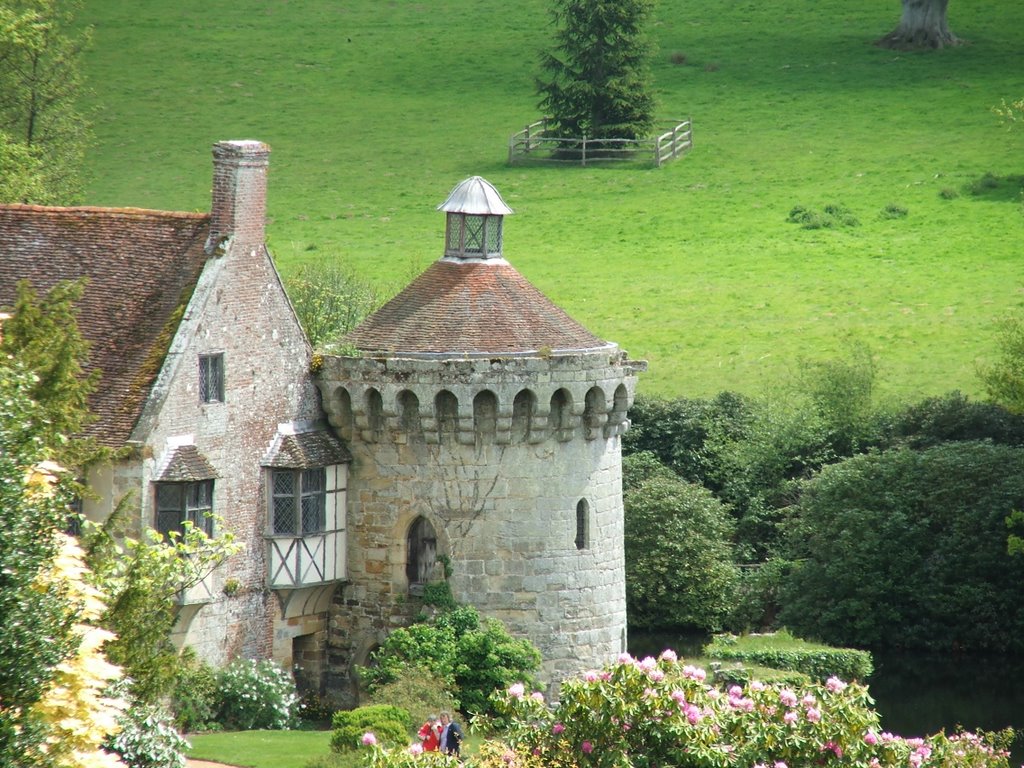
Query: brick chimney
x=239, y=193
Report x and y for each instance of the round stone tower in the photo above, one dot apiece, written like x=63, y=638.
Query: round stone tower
x=484, y=425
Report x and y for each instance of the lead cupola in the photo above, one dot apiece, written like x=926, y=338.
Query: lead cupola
x=473, y=228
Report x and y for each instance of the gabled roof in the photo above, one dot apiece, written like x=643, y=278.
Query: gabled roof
x=471, y=308
x=142, y=267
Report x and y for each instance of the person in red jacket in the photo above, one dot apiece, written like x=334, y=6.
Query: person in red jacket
x=430, y=734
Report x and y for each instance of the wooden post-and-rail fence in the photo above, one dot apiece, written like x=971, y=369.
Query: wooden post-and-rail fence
x=536, y=144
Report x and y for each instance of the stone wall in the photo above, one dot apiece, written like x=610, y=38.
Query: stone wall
x=502, y=457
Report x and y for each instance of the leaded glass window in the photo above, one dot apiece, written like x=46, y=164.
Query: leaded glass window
x=211, y=378
x=177, y=503
x=299, y=498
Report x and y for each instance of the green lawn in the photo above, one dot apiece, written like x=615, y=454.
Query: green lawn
x=261, y=749
x=376, y=109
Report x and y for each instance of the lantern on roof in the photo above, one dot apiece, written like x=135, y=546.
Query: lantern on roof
x=473, y=228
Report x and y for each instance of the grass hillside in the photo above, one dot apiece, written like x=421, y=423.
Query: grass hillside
x=376, y=109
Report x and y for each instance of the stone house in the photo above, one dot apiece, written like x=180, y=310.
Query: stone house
x=476, y=422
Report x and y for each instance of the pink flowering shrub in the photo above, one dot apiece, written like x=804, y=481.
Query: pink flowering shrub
x=659, y=712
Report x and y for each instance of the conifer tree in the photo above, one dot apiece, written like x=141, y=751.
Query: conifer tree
x=596, y=82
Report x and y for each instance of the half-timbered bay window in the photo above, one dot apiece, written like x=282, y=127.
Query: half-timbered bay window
x=299, y=501
x=307, y=478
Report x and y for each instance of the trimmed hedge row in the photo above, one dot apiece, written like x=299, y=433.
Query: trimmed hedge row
x=817, y=661
x=390, y=725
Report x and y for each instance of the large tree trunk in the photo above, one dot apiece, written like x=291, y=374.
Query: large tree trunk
x=923, y=25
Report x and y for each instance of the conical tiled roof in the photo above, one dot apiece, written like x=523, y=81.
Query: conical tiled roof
x=472, y=308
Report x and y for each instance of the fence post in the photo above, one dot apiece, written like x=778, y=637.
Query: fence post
x=511, y=152
x=583, y=161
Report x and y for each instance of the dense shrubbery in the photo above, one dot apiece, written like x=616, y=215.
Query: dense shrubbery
x=417, y=690
x=908, y=549
x=472, y=656
x=256, y=694
x=661, y=712
x=780, y=650
x=390, y=725
x=679, y=566
x=774, y=461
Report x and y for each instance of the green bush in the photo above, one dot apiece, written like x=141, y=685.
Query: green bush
x=831, y=216
x=662, y=712
x=148, y=739
x=470, y=657
x=193, y=697
x=780, y=650
x=390, y=724
x=679, y=569
x=908, y=549
x=418, y=691
x=254, y=695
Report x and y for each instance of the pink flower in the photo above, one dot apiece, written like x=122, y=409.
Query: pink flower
x=834, y=684
x=591, y=676
x=587, y=747
x=369, y=739
x=625, y=658
x=509, y=757
x=787, y=697
x=694, y=673
x=537, y=696
x=648, y=663
x=809, y=700
x=656, y=675
x=516, y=690
x=757, y=685
x=813, y=715
x=679, y=697
x=557, y=728
x=780, y=764
x=416, y=749
x=790, y=717
x=735, y=691
x=831, y=746
x=536, y=751
x=668, y=655
x=870, y=738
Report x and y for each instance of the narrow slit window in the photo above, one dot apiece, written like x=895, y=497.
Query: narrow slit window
x=582, y=525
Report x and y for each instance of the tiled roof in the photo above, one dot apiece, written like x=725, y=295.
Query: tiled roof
x=187, y=465
x=306, y=450
x=142, y=267
x=475, y=308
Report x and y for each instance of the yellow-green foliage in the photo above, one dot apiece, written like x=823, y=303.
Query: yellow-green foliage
x=79, y=713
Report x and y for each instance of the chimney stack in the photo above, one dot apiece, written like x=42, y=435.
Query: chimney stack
x=239, y=193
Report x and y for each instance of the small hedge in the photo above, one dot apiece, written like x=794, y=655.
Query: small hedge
x=391, y=725
x=781, y=650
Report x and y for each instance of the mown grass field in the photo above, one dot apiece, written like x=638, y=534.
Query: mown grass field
x=374, y=110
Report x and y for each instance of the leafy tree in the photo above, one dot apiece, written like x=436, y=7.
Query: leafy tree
x=596, y=81
x=40, y=80
x=143, y=578
x=908, y=549
x=922, y=25
x=21, y=176
x=43, y=334
x=330, y=301
x=679, y=569
x=1004, y=379
x=34, y=628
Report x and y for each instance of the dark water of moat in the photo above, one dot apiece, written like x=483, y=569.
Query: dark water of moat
x=915, y=694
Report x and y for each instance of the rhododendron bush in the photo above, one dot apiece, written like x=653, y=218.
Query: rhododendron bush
x=663, y=712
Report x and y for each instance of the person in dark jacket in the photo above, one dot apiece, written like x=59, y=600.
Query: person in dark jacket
x=451, y=736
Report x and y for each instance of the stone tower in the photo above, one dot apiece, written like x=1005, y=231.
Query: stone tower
x=484, y=425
